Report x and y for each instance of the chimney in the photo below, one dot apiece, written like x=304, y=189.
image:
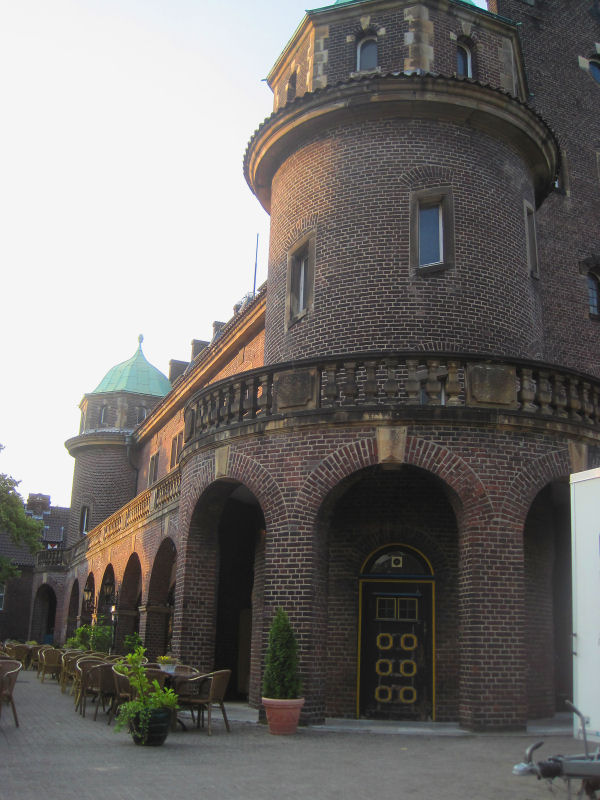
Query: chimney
x=176, y=369
x=198, y=345
x=217, y=328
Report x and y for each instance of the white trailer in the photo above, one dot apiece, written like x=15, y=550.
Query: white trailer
x=585, y=538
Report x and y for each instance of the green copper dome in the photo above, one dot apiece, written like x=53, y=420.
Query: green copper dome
x=344, y=2
x=137, y=376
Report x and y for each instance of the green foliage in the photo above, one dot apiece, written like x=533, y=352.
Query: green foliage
x=132, y=641
x=91, y=637
x=281, y=679
x=148, y=696
x=21, y=529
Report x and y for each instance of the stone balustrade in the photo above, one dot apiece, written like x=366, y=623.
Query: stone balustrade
x=164, y=492
x=392, y=383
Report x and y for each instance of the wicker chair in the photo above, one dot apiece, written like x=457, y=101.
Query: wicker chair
x=68, y=673
x=123, y=692
x=84, y=688
x=8, y=677
x=200, y=692
x=22, y=653
x=100, y=682
x=51, y=658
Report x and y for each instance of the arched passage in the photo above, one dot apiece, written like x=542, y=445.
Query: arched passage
x=547, y=550
x=88, y=605
x=106, y=596
x=390, y=549
x=44, y=615
x=161, y=600
x=129, y=602
x=223, y=597
x=73, y=611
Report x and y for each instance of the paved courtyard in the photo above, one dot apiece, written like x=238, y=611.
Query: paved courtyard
x=56, y=753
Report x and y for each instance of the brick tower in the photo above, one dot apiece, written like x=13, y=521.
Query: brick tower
x=105, y=475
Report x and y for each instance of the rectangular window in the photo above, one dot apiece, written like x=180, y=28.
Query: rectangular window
x=1, y=597
x=531, y=239
x=176, y=448
x=153, y=470
x=431, y=235
x=432, y=230
x=84, y=520
x=300, y=279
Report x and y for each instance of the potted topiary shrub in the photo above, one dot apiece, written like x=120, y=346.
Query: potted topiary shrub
x=148, y=714
x=281, y=679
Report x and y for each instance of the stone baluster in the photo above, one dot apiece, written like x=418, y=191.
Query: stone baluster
x=453, y=385
x=202, y=417
x=371, y=381
x=413, y=384
x=235, y=402
x=559, y=395
x=544, y=393
x=250, y=399
x=331, y=389
x=433, y=385
x=574, y=399
x=390, y=385
x=595, y=405
x=264, y=400
x=349, y=387
x=528, y=390
x=586, y=404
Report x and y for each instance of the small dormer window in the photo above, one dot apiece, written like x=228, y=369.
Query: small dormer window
x=366, y=54
x=464, y=61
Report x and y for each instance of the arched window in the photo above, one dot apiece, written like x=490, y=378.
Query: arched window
x=140, y=414
x=103, y=415
x=464, y=62
x=366, y=54
x=595, y=69
x=593, y=294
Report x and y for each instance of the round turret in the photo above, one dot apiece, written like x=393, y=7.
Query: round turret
x=104, y=478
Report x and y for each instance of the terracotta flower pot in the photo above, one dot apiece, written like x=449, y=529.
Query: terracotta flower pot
x=283, y=715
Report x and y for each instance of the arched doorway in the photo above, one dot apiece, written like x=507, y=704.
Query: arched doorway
x=547, y=552
x=44, y=615
x=392, y=594
x=161, y=600
x=106, y=597
x=223, y=597
x=129, y=601
x=397, y=635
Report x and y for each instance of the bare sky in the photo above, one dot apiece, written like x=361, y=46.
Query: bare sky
x=123, y=208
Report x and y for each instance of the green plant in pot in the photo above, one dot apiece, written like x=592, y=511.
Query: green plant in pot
x=281, y=678
x=148, y=714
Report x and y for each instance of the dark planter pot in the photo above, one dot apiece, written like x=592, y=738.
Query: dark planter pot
x=158, y=728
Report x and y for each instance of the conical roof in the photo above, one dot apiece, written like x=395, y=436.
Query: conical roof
x=136, y=376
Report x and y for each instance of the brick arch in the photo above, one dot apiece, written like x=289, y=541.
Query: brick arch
x=426, y=175
x=434, y=458
x=530, y=480
x=247, y=471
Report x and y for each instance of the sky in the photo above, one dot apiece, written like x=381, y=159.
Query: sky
x=123, y=206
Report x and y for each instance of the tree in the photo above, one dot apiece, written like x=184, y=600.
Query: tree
x=21, y=529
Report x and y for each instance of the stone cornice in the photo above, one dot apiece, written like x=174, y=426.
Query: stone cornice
x=403, y=96
x=95, y=439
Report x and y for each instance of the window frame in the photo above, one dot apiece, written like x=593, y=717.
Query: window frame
x=593, y=285
x=464, y=47
x=84, y=520
x=533, y=262
x=422, y=200
x=303, y=252
x=370, y=38
x=2, y=595
x=153, y=468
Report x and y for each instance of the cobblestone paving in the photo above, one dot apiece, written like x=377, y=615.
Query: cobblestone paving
x=56, y=753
